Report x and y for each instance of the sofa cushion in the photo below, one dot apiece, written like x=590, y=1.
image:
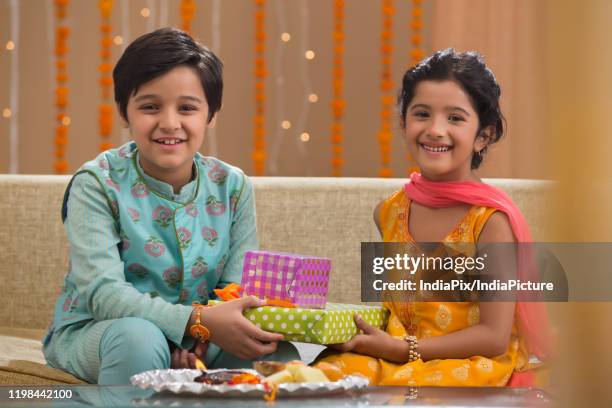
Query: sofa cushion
x=22, y=372
x=22, y=361
x=18, y=348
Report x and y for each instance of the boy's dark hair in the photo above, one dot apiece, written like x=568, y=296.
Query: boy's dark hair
x=469, y=70
x=153, y=54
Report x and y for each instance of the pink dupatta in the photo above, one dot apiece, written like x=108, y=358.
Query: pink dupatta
x=532, y=316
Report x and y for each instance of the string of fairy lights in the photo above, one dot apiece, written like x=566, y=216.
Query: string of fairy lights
x=215, y=46
x=309, y=97
x=152, y=18
x=285, y=127
x=11, y=112
x=264, y=155
x=282, y=123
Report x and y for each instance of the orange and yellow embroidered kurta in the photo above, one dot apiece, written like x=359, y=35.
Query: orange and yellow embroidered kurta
x=429, y=319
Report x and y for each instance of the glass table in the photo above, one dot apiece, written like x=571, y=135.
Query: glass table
x=129, y=396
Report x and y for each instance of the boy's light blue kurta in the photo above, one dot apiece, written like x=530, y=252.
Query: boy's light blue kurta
x=137, y=249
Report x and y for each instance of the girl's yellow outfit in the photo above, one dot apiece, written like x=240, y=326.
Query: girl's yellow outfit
x=429, y=319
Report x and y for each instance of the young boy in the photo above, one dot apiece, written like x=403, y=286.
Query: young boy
x=153, y=227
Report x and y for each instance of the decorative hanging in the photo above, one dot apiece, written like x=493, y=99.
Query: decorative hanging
x=385, y=134
x=259, y=133
x=122, y=41
x=188, y=8
x=12, y=112
x=163, y=13
x=309, y=98
x=62, y=33
x=417, y=53
x=416, y=26
x=105, y=109
x=211, y=134
x=282, y=124
x=338, y=103
x=152, y=15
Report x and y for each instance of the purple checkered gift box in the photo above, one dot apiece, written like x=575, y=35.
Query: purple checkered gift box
x=299, y=279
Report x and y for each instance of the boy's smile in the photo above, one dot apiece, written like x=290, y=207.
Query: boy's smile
x=167, y=118
x=440, y=130
x=168, y=141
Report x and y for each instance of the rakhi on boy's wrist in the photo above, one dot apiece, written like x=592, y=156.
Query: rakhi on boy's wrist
x=197, y=330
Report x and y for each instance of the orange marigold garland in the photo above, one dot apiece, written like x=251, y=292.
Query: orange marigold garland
x=417, y=53
x=188, y=8
x=416, y=26
x=385, y=134
x=338, y=103
x=259, y=133
x=61, y=91
x=105, y=110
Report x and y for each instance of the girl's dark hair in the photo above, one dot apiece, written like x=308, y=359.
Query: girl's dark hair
x=153, y=54
x=469, y=70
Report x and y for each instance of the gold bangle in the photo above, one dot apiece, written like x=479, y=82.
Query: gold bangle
x=198, y=331
x=413, y=345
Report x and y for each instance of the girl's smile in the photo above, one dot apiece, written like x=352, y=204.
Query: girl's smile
x=441, y=126
x=435, y=148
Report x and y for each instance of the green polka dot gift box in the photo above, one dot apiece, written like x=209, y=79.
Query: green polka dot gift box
x=333, y=324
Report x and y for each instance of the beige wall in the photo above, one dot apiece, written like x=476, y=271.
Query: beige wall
x=510, y=35
x=505, y=32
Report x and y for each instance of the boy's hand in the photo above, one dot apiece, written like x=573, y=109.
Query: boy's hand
x=235, y=334
x=181, y=358
x=373, y=342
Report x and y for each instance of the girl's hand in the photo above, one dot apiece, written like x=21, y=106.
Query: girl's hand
x=375, y=343
x=181, y=358
x=235, y=334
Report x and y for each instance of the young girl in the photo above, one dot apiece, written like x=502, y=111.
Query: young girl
x=450, y=115
x=153, y=227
